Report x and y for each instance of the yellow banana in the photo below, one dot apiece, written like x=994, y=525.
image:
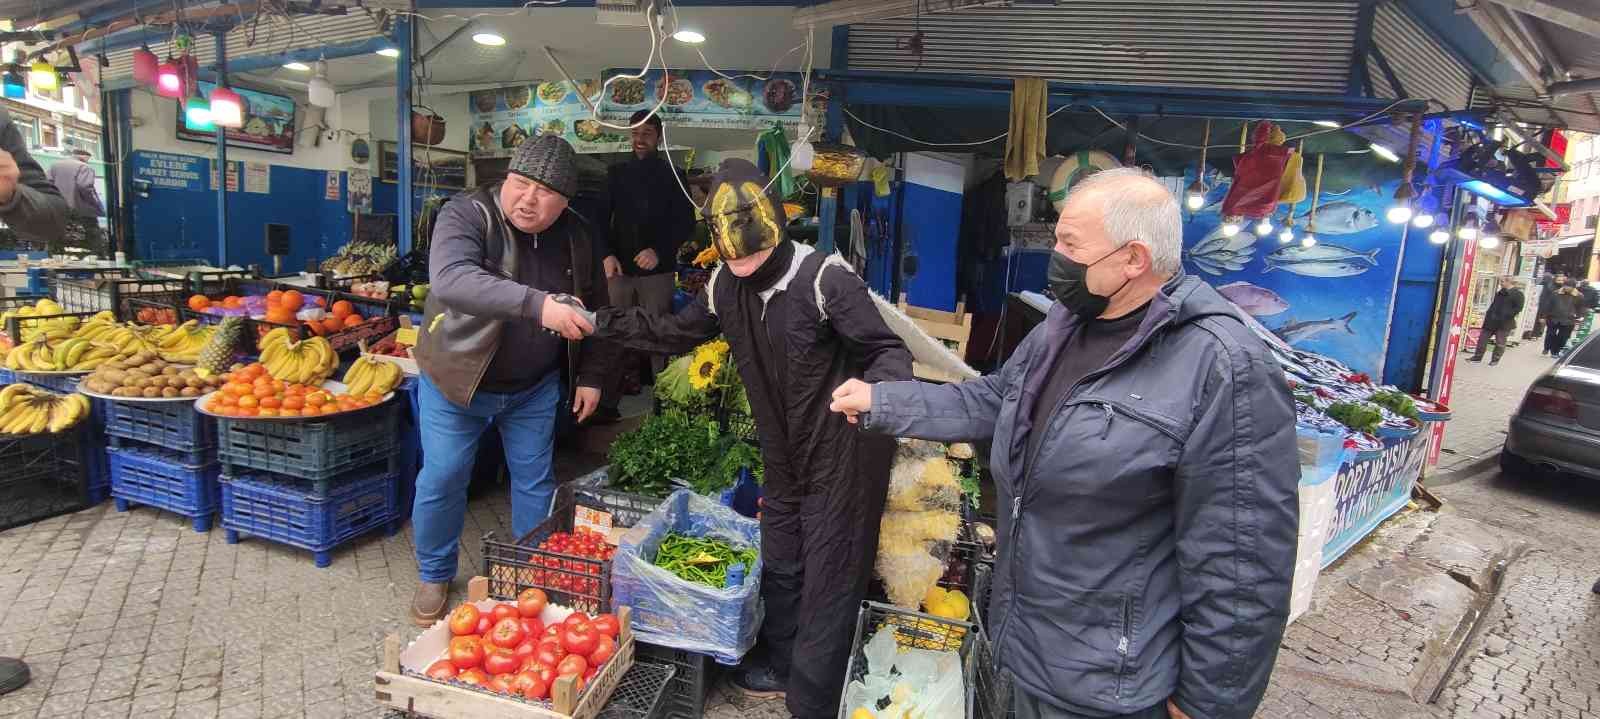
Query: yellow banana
x=9, y=395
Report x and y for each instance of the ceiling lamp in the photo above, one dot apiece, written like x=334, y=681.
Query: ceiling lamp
x=1327, y=123
x=1287, y=235
x=1309, y=240
x=1423, y=220
x=1195, y=196
x=1439, y=236
x=297, y=66
x=1489, y=242
x=146, y=66
x=197, y=115
x=488, y=38
x=168, y=82
x=689, y=37
x=227, y=108
x=1469, y=228
x=390, y=52
x=319, y=89
x=42, y=76
x=1264, y=226
x=1384, y=152
x=1400, y=212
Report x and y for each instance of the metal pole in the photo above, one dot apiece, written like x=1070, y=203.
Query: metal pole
x=222, y=157
x=402, y=92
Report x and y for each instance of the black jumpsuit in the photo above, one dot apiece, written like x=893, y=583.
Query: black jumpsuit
x=825, y=481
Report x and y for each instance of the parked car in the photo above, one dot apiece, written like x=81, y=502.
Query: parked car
x=1557, y=428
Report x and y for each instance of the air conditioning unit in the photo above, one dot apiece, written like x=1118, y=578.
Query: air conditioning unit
x=621, y=13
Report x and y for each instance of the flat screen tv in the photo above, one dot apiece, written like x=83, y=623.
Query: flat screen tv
x=268, y=122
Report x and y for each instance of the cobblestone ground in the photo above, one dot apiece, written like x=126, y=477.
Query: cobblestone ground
x=1483, y=399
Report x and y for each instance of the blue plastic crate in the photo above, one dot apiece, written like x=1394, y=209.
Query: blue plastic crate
x=279, y=509
x=164, y=480
x=316, y=450
x=52, y=382
x=173, y=426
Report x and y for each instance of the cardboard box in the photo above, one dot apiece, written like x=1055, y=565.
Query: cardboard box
x=402, y=685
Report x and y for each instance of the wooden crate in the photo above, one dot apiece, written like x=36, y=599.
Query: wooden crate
x=419, y=696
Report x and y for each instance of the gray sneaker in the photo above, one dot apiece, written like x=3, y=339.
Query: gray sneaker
x=427, y=605
x=13, y=675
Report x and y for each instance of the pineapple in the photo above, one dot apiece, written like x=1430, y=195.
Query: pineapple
x=218, y=352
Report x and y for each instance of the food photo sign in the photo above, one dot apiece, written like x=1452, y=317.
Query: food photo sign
x=702, y=98
x=503, y=117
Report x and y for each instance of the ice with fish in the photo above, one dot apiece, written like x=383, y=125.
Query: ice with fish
x=1256, y=301
x=1321, y=260
x=1339, y=218
x=1297, y=332
x=1217, y=253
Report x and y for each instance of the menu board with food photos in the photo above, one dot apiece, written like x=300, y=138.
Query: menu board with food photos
x=503, y=117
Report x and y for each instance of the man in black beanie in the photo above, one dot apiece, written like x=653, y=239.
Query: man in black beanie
x=509, y=262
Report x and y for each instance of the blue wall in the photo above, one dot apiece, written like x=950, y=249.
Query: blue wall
x=1415, y=298
x=179, y=217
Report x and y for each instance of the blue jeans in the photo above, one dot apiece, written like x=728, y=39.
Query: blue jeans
x=450, y=442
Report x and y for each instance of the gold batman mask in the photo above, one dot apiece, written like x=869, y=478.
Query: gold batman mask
x=744, y=219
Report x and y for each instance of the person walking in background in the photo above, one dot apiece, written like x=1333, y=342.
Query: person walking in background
x=1553, y=280
x=30, y=203
x=1565, y=302
x=1500, y=319
x=74, y=179
x=650, y=217
x=1591, y=296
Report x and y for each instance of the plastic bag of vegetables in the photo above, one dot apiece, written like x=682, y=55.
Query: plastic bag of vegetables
x=671, y=611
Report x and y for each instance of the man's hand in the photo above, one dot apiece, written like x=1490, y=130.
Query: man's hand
x=10, y=175
x=851, y=399
x=1174, y=712
x=586, y=402
x=646, y=259
x=613, y=267
x=564, y=319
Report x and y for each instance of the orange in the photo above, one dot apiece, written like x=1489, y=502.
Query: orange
x=292, y=300
x=232, y=302
x=274, y=298
x=229, y=400
x=333, y=324
x=316, y=327
x=353, y=320
x=316, y=399
x=248, y=401
x=288, y=413
x=269, y=402
x=247, y=411
x=280, y=315
x=199, y=302
x=267, y=412
x=293, y=402
x=342, y=309
x=329, y=409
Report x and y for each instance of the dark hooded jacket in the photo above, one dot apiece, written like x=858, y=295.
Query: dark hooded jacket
x=1147, y=551
x=36, y=208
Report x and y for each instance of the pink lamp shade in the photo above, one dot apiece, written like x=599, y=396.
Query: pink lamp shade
x=168, y=82
x=146, y=67
x=227, y=108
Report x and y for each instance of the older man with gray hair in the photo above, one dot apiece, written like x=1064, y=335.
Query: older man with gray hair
x=1144, y=456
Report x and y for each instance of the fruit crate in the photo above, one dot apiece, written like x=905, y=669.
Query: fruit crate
x=571, y=580
x=174, y=426
x=164, y=480
x=15, y=324
x=685, y=696
x=382, y=318
x=913, y=630
x=112, y=292
x=314, y=450
x=281, y=509
x=44, y=477
x=640, y=693
x=991, y=688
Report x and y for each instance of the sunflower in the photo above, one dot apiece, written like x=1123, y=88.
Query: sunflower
x=705, y=367
x=718, y=346
x=707, y=257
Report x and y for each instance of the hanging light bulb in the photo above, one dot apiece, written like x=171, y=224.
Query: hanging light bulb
x=42, y=75
x=227, y=108
x=1439, y=236
x=197, y=115
x=1423, y=220
x=689, y=37
x=1264, y=226
x=1196, y=197
x=1469, y=228
x=169, y=83
x=1400, y=212
x=319, y=89
x=146, y=66
x=1287, y=235
x=1489, y=242
x=1230, y=227
x=802, y=156
x=1309, y=240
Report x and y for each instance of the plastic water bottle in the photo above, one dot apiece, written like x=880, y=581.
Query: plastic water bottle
x=735, y=576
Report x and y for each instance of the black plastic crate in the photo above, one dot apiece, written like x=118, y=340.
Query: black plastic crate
x=991, y=687
x=685, y=696
x=580, y=582
x=44, y=477
x=282, y=510
x=382, y=317
x=16, y=326
x=913, y=630
x=152, y=312
x=639, y=693
x=316, y=450
x=112, y=292
x=174, y=426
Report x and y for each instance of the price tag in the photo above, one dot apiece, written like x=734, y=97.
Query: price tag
x=597, y=520
x=406, y=336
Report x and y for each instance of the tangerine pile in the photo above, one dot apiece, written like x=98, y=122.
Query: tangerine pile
x=248, y=391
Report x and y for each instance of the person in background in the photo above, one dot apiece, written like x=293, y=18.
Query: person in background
x=1145, y=462
x=798, y=323
x=508, y=263
x=1565, y=304
x=1553, y=280
x=1499, y=320
x=74, y=178
x=1591, y=296
x=651, y=216
x=31, y=204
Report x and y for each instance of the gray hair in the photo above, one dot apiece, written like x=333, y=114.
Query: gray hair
x=1135, y=206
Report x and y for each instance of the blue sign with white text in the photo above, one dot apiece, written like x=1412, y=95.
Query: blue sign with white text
x=165, y=170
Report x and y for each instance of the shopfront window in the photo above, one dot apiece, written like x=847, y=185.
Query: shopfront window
x=49, y=136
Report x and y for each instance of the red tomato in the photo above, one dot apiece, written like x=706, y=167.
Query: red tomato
x=473, y=677
x=579, y=638
x=485, y=623
x=575, y=618
x=442, y=669
x=548, y=675
x=529, y=685
x=526, y=650
x=507, y=633
x=588, y=676
x=531, y=602
x=550, y=653
x=499, y=684
x=607, y=624
x=552, y=632
x=504, y=611
x=499, y=660
x=464, y=620
x=531, y=628
x=572, y=665
x=603, y=649
x=466, y=652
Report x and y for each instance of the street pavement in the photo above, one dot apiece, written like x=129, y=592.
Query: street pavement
x=1484, y=397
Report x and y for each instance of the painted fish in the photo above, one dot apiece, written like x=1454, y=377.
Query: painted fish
x=1340, y=218
x=1321, y=260
x=1296, y=332
x=1216, y=253
x=1257, y=301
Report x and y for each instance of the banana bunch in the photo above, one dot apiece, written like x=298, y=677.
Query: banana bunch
x=308, y=361
x=367, y=376
x=74, y=355
x=180, y=343
x=128, y=339
x=27, y=410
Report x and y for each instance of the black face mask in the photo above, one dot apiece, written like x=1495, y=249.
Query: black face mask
x=1069, y=282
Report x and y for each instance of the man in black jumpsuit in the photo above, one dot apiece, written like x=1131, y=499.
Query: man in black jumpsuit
x=799, y=323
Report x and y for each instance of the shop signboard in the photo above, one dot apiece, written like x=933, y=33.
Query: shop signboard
x=1443, y=388
x=168, y=171
x=503, y=117
x=1370, y=491
x=702, y=98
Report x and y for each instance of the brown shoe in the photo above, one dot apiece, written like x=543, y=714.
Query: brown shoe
x=427, y=605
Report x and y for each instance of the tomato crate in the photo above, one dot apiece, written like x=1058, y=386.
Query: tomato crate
x=912, y=630
x=44, y=477
x=174, y=426
x=685, y=696
x=164, y=480
x=112, y=292
x=283, y=510
x=382, y=318
x=578, y=581
x=316, y=450
x=402, y=684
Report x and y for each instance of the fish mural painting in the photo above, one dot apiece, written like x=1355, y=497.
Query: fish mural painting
x=1333, y=298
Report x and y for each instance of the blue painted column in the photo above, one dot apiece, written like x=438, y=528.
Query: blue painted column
x=222, y=157
x=828, y=205
x=402, y=88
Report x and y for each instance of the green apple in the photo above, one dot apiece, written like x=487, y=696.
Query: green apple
x=420, y=292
